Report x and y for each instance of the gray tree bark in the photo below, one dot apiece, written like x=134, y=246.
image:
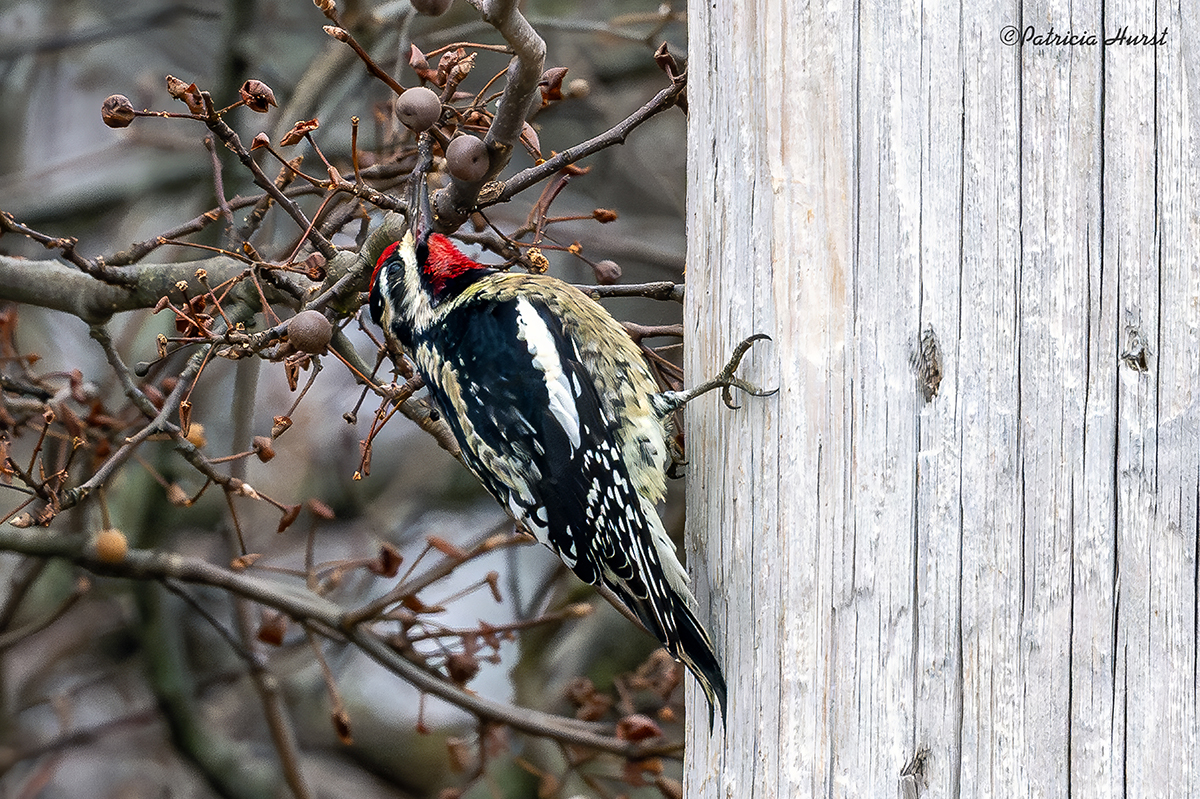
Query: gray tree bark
x=957, y=554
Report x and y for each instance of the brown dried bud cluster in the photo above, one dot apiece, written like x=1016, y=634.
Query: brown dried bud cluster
x=117, y=111
x=538, y=263
x=257, y=96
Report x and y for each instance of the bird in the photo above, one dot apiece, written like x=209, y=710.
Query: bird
x=557, y=414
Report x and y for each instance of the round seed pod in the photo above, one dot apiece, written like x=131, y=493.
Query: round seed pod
x=309, y=331
x=467, y=158
x=117, y=111
x=419, y=108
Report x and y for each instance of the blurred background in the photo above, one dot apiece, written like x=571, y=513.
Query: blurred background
x=131, y=691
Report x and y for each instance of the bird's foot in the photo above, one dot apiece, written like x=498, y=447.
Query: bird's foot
x=726, y=380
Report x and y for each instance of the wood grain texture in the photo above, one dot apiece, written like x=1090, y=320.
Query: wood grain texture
x=987, y=589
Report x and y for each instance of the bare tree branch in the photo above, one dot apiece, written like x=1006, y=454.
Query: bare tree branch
x=453, y=203
x=306, y=607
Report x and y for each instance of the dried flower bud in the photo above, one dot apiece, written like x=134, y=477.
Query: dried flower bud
x=272, y=629
x=607, y=272
x=177, y=496
x=604, y=215
x=298, y=130
x=257, y=96
x=310, y=331
x=263, y=449
x=530, y=138
x=551, y=84
x=290, y=515
x=467, y=158
x=282, y=423
x=260, y=140
x=341, y=725
x=187, y=92
x=431, y=8
x=388, y=562
x=117, y=111
x=243, y=562
x=666, y=62
x=314, y=265
x=327, y=7
x=537, y=262
x=110, y=545
x=447, y=62
x=460, y=71
x=416, y=59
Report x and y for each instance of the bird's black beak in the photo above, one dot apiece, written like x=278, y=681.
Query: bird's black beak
x=421, y=221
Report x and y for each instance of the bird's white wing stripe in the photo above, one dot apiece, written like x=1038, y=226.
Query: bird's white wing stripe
x=531, y=329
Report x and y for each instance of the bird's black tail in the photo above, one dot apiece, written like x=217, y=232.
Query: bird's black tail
x=669, y=618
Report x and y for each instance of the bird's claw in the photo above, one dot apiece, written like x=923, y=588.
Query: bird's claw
x=725, y=380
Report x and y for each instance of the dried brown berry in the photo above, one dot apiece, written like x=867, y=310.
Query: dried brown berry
x=117, y=111
x=431, y=8
x=604, y=215
x=257, y=96
x=418, y=109
x=110, y=546
x=607, y=272
x=309, y=331
x=467, y=158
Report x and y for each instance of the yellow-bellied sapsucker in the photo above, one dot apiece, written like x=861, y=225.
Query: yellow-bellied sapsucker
x=558, y=415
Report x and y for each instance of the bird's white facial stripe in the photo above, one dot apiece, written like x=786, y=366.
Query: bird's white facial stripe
x=531, y=329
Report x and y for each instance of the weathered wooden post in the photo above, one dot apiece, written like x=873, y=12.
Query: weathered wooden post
x=957, y=555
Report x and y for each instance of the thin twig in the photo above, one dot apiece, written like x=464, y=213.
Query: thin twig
x=615, y=135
